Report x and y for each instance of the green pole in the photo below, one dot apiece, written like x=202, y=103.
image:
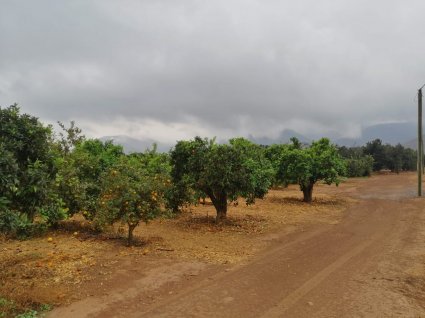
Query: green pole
x=420, y=150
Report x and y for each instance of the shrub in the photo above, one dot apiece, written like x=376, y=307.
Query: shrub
x=18, y=225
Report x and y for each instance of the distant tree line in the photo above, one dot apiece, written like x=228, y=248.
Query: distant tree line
x=376, y=156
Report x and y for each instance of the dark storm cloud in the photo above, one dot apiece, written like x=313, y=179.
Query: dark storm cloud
x=217, y=67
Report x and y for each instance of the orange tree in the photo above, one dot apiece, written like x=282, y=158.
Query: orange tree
x=130, y=193
x=27, y=175
x=306, y=166
x=25, y=144
x=221, y=172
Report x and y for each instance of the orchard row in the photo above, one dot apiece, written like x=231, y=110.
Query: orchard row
x=47, y=177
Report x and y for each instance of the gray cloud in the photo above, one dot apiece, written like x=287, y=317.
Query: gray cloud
x=213, y=67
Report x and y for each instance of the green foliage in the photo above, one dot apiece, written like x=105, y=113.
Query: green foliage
x=359, y=167
x=26, y=162
x=18, y=225
x=328, y=165
x=46, y=177
x=296, y=144
x=186, y=156
x=4, y=204
x=54, y=210
x=399, y=158
x=385, y=156
x=24, y=135
x=351, y=152
x=69, y=186
x=69, y=137
x=358, y=163
x=8, y=308
x=34, y=190
x=45, y=307
x=409, y=159
x=8, y=174
x=29, y=314
x=131, y=192
x=79, y=174
x=256, y=172
x=274, y=154
x=9, y=221
x=319, y=162
x=376, y=149
x=221, y=172
x=154, y=163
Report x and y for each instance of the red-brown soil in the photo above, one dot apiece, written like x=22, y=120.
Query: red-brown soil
x=356, y=252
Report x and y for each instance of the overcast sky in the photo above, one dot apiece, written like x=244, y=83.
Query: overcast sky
x=167, y=69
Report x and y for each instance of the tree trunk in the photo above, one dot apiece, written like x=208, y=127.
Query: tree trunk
x=221, y=213
x=308, y=192
x=219, y=201
x=131, y=227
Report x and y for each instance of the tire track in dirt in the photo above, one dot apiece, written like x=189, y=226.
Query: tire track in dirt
x=253, y=289
x=296, y=295
x=351, y=288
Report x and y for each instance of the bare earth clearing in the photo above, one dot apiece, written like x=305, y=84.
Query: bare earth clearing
x=356, y=252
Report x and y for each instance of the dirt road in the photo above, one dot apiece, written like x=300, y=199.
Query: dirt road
x=371, y=264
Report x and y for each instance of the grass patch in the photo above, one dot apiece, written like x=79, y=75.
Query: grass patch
x=11, y=309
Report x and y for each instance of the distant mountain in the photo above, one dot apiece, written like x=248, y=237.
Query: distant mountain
x=391, y=133
x=413, y=143
x=136, y=145
x=287, y=134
